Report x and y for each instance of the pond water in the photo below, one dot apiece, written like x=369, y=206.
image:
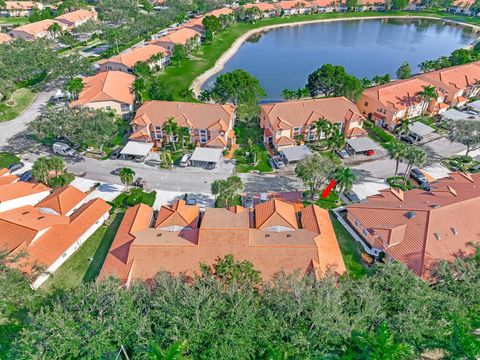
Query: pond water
x=284, y=57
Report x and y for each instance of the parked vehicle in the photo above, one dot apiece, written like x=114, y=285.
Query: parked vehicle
x=416, y=137
x=248, y=201
x=419, y=177
x=343, y=153
x=185, y=161
x=63, y=149
x=350, y=195
x=190, y=199
x=210, y=166
x=408, y=139
x=115, y=154
x=370, y=152
x=26, y=176
x=116, y=172
x=276, y=162
x=16, y=166
x=141, y=183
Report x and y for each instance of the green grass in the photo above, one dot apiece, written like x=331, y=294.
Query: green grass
x=243, y=165
x=350, y=251
x=134, y=196
x=7, y=159
x=17, y=104
x=330, y=202
x=14, y=20
x=78, y=267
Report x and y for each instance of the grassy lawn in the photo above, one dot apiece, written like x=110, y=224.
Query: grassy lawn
x=135, y=196
x=243, y=165
x=330, y=202
x=350, y=251
x=78, y=267
x=14, y=20
x=20, y=100
x=7, y=159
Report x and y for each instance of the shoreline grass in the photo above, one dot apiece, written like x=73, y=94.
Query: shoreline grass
x=22, y=99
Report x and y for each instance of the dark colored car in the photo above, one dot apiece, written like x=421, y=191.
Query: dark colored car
x=276, y=162
x=16, y=166
x=407, y=139
x=116, y=172
x=248, y=201
x=140, y=183
x=115, y=154
x=419, y=177
x=350, y=195
x=26, y=176
x=190, y=199
x=210, y=166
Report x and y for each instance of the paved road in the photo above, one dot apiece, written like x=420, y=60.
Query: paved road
x=12, y=133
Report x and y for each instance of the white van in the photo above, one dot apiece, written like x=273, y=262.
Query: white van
x=63, y=149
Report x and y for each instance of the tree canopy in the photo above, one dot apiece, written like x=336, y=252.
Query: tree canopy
x=465, y=132
x=404, y=71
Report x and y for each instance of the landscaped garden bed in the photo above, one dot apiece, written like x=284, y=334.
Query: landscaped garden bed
x=461, y=163
x=398, y=182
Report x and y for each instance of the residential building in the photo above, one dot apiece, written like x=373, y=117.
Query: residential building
x=156, y=56
x=387, y=104
x=462, y=7
x=63, y=201
x=220, y=12
x=274, y=238
x=420, y=227
x=14, y=194
x=268, y=10
x=210, y=125
x=76, y=18
x=295, y=7
x=195, y=24
x=36, y=30
x=47, y=238
x=458, y=83
x=110, y=90
x=326, y=6
x=6, y=177
x=185, y=36
x=286, y=123
x=4, y=38
x=371, y=5
x=19, y=8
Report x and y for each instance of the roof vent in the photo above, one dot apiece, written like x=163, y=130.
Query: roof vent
x=434, y=206
x=411, y=214
x=25, y=213
x=41, y=217
x=454, y=231
x=159, y=235
x=437, y=236
x=267, y=235
x=289, y=235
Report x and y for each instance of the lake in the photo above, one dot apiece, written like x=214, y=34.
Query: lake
x=284, y=57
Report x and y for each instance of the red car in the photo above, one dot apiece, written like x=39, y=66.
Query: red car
x=370, y=152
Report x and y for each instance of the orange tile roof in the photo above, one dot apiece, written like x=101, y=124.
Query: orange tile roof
x=218, y=142
x=219, y=12
x=456, y=77
x=20, y=189
x=291, y=4
x=143, y=53
x=289, y=114
x=81, y=15
x=421, y=227
x=356, y=131
x=20, y=5
x=150, y=250
x=4, y=38
x=6, y=177
x=275, y=213
x=179, y=214
x=38, y=27
x=262, y=6
x=178, y=37
x=185, y=114
x=63, y=199
x=4, y=171
x=284, y=141
x=106, y=86
x=136, y=218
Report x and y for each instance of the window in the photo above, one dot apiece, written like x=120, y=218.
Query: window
x=203, y=136
x=108, y=67
x=357, y=223
x=125, y=107
x=365, y=232
x=366, y=103
x=108, y=107
x=296, y=131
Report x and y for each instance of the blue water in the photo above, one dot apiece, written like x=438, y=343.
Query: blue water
x=283, y=57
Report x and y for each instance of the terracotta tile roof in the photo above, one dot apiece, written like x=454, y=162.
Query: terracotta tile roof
x=20, y=5
x=218, y=142
x=4, y=171
x=454, y=78
x=275, y=213
x=289, y=114
x=262, y=6
x=4, y=38
x=20, y=189
x=179, y=214
x=136, y=219
x=38, y=27
x=50, y=246
x=421, y=227
x=219, y=12
x=284, y=141
x=143, y=53
x=324, y=3
x=398, y=95
x=178, y=37
x=356, y=131
x=225, y=232
x=291, y=4
x=62, y=200
x=106, y=86
x=192, y=115
x=6, y=177
x=73, y=17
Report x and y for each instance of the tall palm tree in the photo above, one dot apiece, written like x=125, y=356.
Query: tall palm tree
x=139, y=88
x=126, y=176
x=415, y=156
x=175, y=351
x=55, y=29
x=323, y=127
x=402, y=127
x=335, y=140
x=345, y=179
x=183, y=135
x=166, y=158
x=171, y=128
x=397, y=151
x=428, y=94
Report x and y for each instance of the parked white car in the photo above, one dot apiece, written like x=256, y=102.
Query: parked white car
x=185, y=161
x=63, y=149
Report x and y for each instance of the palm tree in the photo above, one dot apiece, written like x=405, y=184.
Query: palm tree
x=403, y=127
x=171, y=128
x=41, y=169
x=166, y=158
x=175, y=351
x=345, y=179
x=226, y=190
x=335, y=140
x=323, y=127
x=428, y=94
x=397, y=151
x=56, y=164
x=139, y=87
x=75, y=87
x=183, y=135
x=415, y=156
x=126, y=176
x=55, y=29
